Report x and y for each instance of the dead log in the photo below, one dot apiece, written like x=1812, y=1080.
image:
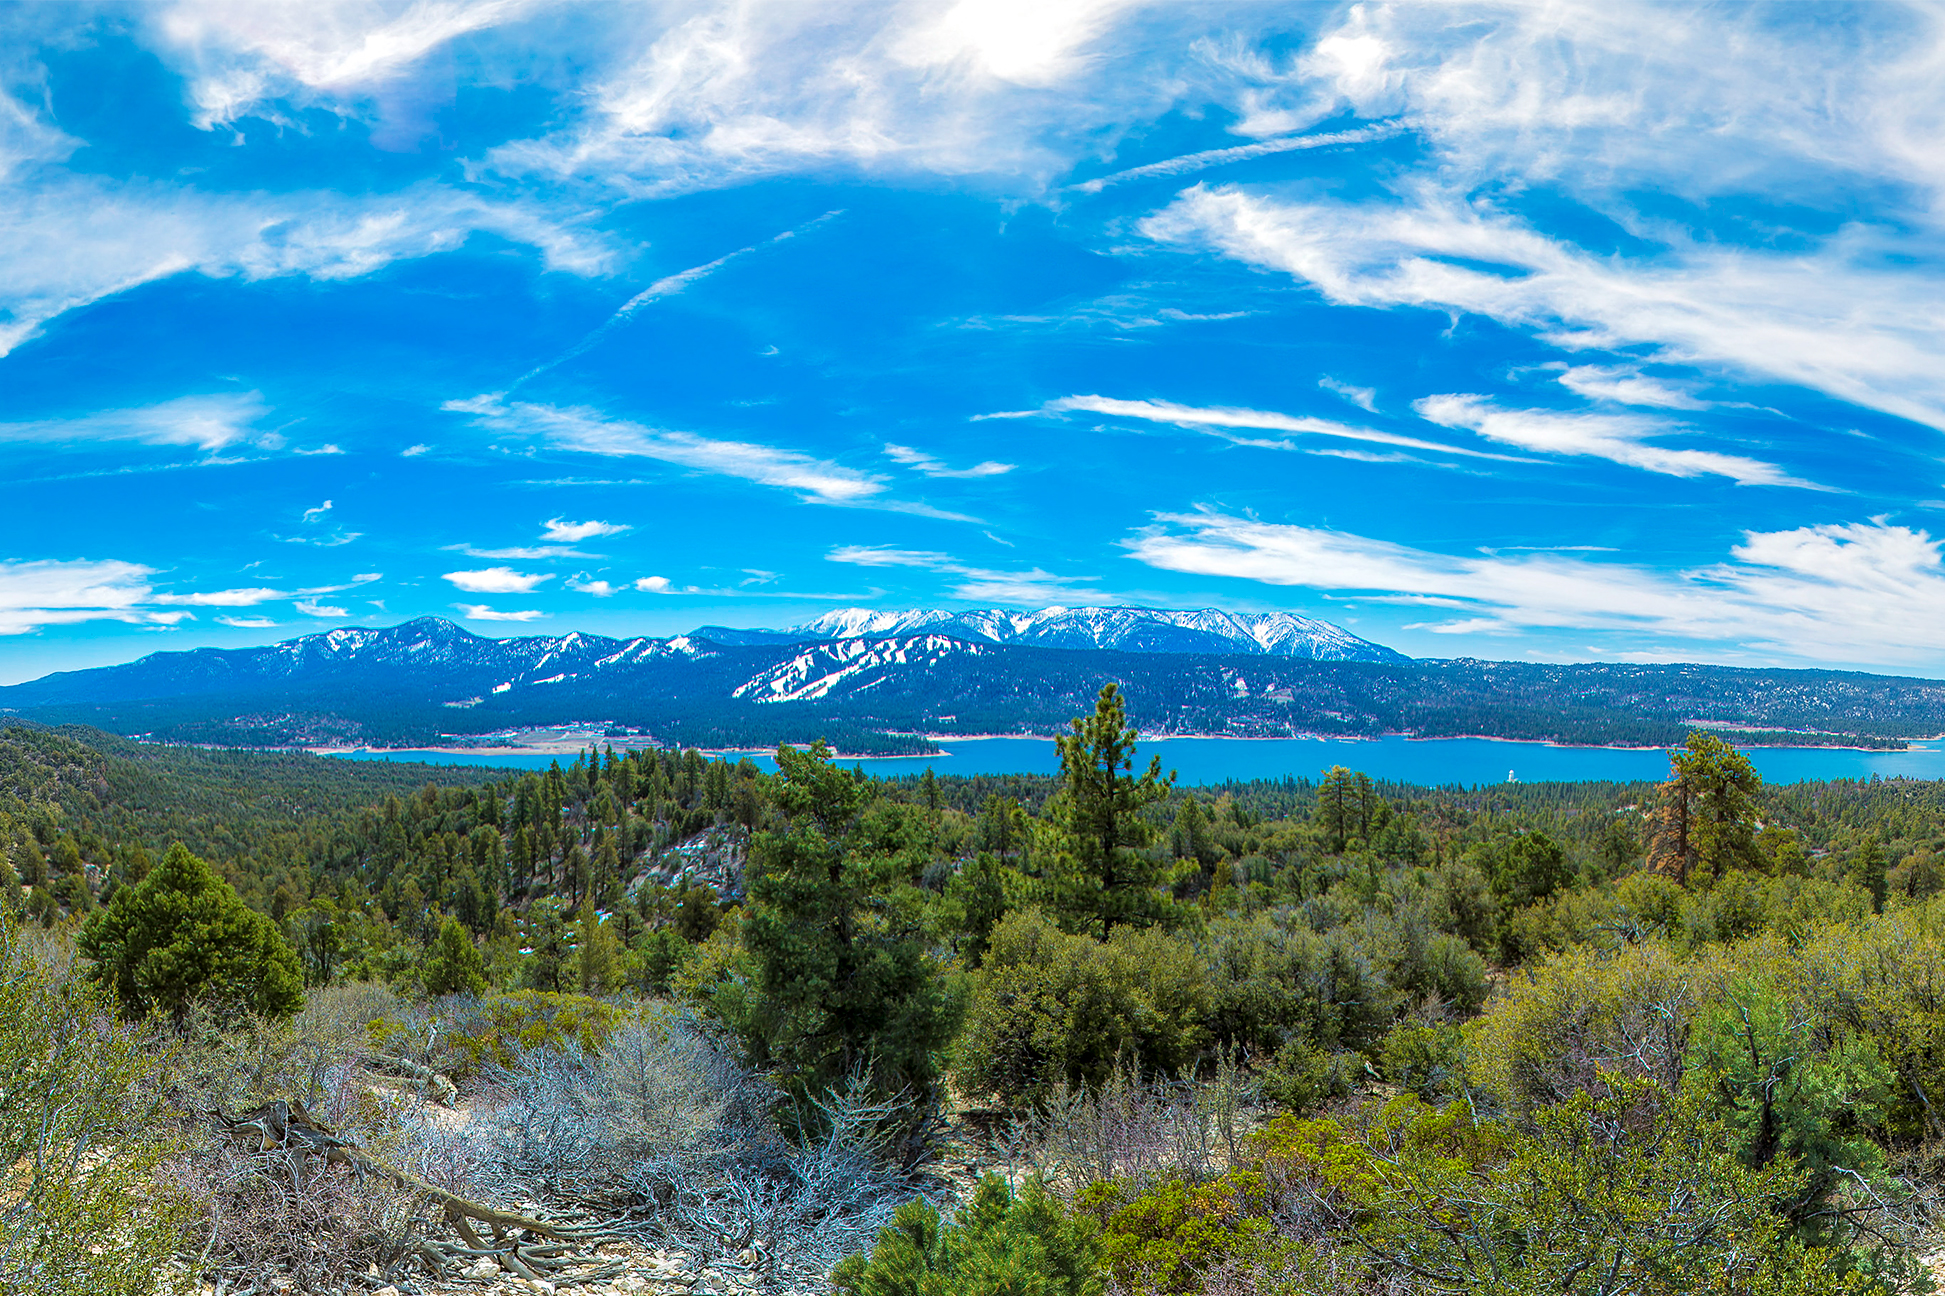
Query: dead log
x=284, y=1126
x=432, y=1085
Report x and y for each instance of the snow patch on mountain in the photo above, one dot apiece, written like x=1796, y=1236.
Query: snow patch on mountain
x=848, y=666
x=1126, y=629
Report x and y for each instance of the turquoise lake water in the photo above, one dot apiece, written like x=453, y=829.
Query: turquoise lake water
x=1432, y=762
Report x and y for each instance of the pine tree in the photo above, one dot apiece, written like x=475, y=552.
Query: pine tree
x=845, y=979
x=547, y=937
x=600, y=959
x=183, y=934
x=454, y=965
x=1867, y=869
x=1101, y=808
x=1706, y=822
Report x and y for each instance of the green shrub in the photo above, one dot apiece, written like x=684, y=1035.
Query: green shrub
x=1300, y=1077
x=81, y=1210
x=495, y=1030
x=453, y=963
x=999, y=1244
x=1425, y=1060
x=1163, y=1240
x=1048, y=1007
x=183, y=934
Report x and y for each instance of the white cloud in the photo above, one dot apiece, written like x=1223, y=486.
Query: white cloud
x=1241, y=153
x=246, y=623
x=1033, y=588
x=1625, y=385
x=413, y=451
x=205, y=422
x=598, y=588
x=1621, y=438
x=245, y=57
x=653, y=584
x=77, y=239
x=593, y=433
x=707, y=95
x=480, y=612
x=521, y=553
x=224, y=598
x=317, y=514
x=561, y=531
x=1223, y=421
x=1603, y=97
x=1846, y=592
x=48, y=592
x=1365, y=398
x=495, y=580
x=919, y=461
x=1839, y=319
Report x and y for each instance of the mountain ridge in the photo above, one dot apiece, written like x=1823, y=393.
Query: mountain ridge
x=428, y=682
x=1127, y=629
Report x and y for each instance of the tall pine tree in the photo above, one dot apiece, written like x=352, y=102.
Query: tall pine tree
x=1102, y=809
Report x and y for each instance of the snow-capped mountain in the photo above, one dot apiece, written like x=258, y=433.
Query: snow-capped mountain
x=872, y=681
x=426, y=652
x=1121, y=629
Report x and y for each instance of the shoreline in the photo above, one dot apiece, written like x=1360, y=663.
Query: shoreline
x=564, y=749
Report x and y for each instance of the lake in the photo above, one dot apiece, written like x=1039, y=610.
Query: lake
x=1432, y=762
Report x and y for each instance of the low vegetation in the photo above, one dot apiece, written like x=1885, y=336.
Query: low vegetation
x=654, y=1016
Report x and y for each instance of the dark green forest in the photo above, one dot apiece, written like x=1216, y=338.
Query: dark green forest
x=1090, y=1032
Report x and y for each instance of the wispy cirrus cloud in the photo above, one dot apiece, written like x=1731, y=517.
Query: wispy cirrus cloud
x=1619, y=438
x=209, y=423
x=519, y=553
x=1809, y=593
x=77, y=239
x=52, y=592
x=1227, y=422
x=224, y=598
x=1843, y=319
x=1365, y=398
x=1030, y=588
x=246, y=59
x=1625, y=385
x=590, y=432
x=1202, y=161
x=700, y=98
x=932, y=466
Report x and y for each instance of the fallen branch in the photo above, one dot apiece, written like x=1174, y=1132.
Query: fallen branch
x=285, y=1127
x=432, y=1085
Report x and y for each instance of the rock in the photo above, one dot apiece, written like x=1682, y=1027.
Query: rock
x=484, y=1267
x=386, y=1291
x=630, y=1283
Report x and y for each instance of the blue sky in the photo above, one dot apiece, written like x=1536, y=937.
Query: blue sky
x=1567, y=332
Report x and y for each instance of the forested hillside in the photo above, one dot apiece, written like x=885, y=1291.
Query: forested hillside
x=653, y=1017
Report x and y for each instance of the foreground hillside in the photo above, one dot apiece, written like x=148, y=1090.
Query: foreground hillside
x=428, y=682
x=653, y=1021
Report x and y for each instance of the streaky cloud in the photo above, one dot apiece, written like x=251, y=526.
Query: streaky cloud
x=1191, y=162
